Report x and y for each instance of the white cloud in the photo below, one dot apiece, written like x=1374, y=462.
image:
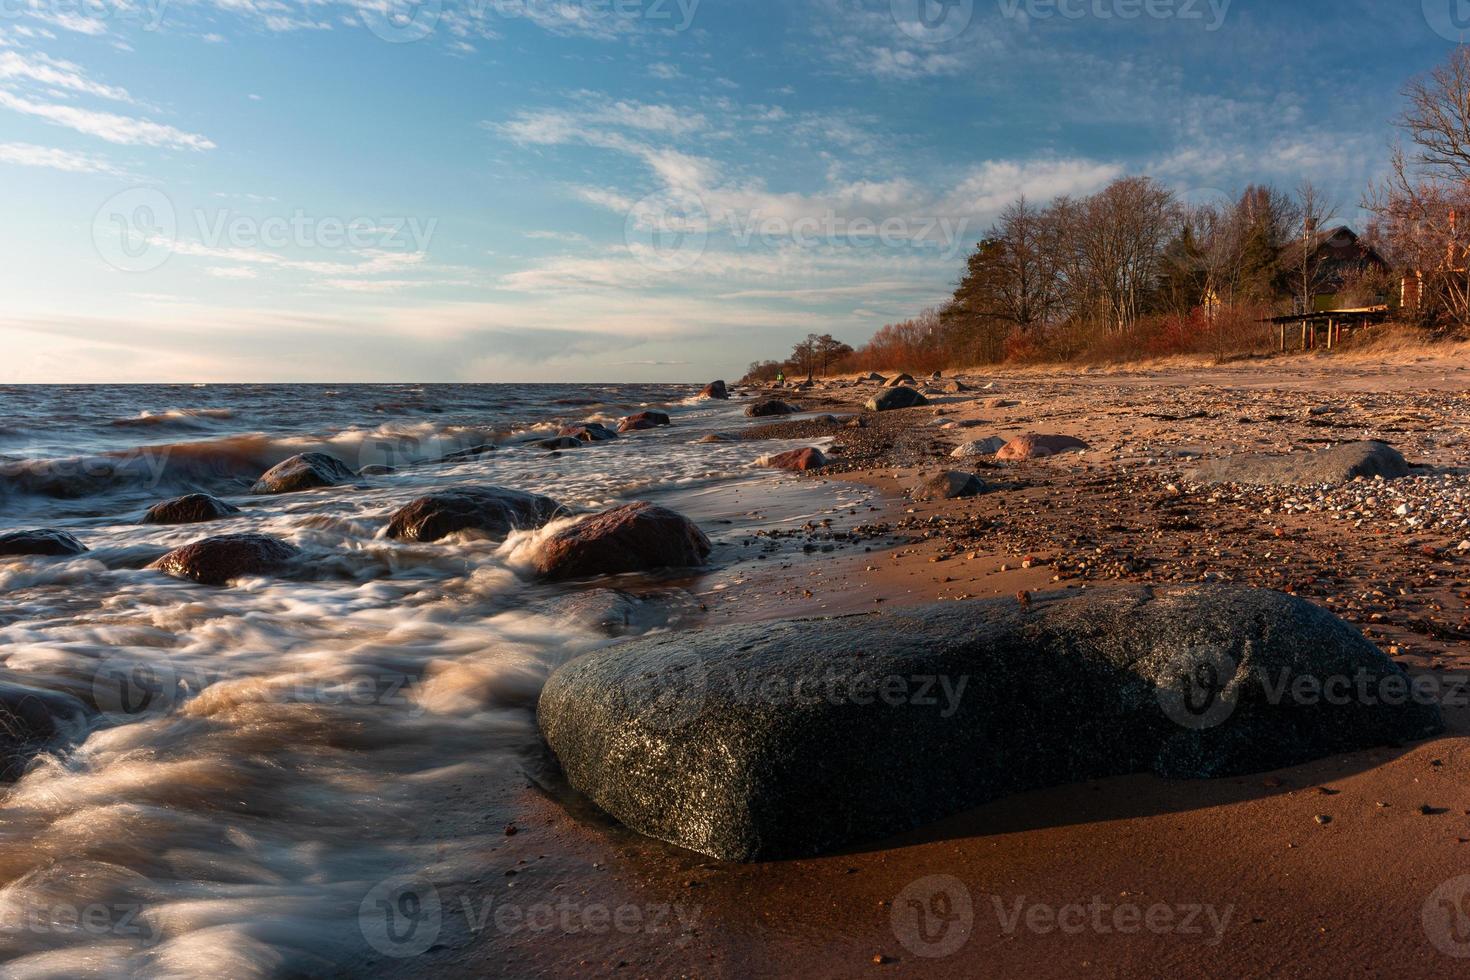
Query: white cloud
x=107, y=125
x=31, y=155
x=56, y=74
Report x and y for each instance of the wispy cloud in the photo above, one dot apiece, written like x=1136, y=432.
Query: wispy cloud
x=108, y=126
x=50, y=158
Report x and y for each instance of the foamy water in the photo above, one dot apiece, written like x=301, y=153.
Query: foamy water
x=263, y=752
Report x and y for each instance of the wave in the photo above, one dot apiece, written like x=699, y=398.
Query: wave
x=181, y=418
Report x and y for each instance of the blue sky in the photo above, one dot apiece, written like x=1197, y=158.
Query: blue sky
x=504, y=190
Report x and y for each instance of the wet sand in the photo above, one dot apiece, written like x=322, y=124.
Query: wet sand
x=1333, y=868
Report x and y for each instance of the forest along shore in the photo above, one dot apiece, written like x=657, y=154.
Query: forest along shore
x=1301, y=868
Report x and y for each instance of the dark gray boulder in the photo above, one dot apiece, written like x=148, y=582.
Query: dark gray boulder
x=638, y=537
x=778, y=740
x=1340, y=464
x=43, y=541
x=896, y=398
x=560, y=444
x=770, y=408
x=195, y=508
x=588, y=432
x=949, y=486
x=493, y=511
x=901, y=379
x=308, y=471
x=220, y=560
x=715, y=390
x=643, y=421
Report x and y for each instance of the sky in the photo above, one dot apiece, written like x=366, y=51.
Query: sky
x=611, y=190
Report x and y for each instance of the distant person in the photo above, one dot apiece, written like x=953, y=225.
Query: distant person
x=780, y=377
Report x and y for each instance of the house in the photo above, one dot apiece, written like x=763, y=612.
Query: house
x=1337, y=256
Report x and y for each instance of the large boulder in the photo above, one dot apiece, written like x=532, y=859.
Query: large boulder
x=308, y=471
x=980, y=447
x=43, y=541
x=491, y=511
x=588, y=432
x=642, y=421
x=30, y=719
x=640, y=537
x=716, y=390
x=899, y=379
x=949, y=486
x=1033, y=446
x=896, y=398
x=221, y=560
x=769, y=741
x=797, y=460
x=1340, y=464
x=195, y=508
x=769, y=408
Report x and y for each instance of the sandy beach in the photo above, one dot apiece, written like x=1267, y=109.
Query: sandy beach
x=1339, y=866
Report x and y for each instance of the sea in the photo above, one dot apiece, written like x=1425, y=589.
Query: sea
x=257, y=760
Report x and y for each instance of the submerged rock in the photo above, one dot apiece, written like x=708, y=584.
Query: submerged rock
x=194, y=508
x=769, y=408
x=640, y=537
x=949, y=486
x=30, y=719
x=493, y=511
x=642, y=421
x=43, y=541
x=308, y=471
x=715, y=437
x=716, y=390
x=896, y=398
x=769, y=741
x=220, y=560
x=797, y=460
x=559, y=444
x=588, y=432
x=1033, y=446
x=1340, y=464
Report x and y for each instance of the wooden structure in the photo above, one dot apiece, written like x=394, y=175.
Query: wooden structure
x=1334, y=322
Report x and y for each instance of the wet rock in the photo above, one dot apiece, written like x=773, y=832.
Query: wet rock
x=715, y=437
x=195, y=508
x=949, y=486
x=559, y=444
x=308, y=471
x=902, y=379
x=980, y=447
x=896, y=398
x=44, y=541
x=619, y=613
x=770, y=741
x=639, y=537
x=770, y=407
x=474, y=452
x=716, y=390
x=797, y=460
x=220, y=560
x=1340, y=464
x=1033, y=446
x=643, y=421
x=493, y=511
x=588, y=432
x=30, y=720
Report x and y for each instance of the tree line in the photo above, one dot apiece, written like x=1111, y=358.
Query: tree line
x=1134, y=271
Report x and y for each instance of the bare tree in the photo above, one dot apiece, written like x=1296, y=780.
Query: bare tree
x=1309, y=271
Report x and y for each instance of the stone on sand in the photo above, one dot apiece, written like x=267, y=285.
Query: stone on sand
x=772, y=741
x=980, y=447
x=896, y=398
x=769, y=408
x=1033, y=446
x=952, y=485
x=1339, y=464
x=797, y=460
